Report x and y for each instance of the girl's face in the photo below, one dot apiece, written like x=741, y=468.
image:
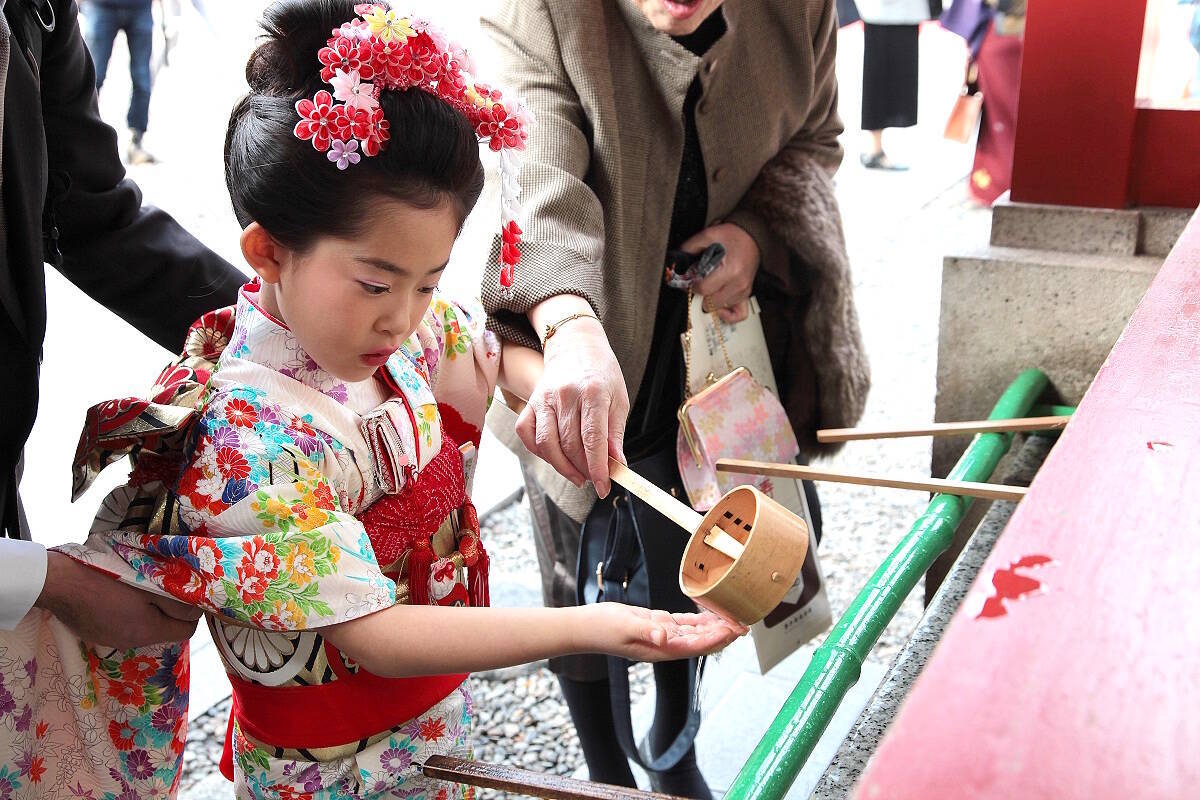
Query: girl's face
x=678, y=17
x=352, y=302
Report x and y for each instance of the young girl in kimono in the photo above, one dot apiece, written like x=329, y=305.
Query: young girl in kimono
x=302, y=471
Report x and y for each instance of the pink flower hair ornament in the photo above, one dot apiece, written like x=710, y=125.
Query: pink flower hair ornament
x=382, y=50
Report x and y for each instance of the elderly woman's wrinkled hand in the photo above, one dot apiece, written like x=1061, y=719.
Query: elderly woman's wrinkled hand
x=575, y=417
x=727, y=289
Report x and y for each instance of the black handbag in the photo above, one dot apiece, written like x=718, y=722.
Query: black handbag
x=629, y=553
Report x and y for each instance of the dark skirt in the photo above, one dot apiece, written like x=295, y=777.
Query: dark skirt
x=889, y=97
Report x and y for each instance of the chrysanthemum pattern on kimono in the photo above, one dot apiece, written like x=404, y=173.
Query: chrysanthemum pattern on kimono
x=251, y=466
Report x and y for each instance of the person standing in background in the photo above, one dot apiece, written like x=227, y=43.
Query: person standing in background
x=103, y=20
x=642, y=146
x=890, y=62
x=999, y=64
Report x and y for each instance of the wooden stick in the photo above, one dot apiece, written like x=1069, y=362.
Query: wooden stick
x=663, y=502
x=988, y=491
x=945, y=429
x=723, y=543
x=520, y=781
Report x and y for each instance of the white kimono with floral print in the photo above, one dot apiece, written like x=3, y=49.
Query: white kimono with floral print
x=261, y=531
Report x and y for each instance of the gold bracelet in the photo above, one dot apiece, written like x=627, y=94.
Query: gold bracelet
x=552, y=328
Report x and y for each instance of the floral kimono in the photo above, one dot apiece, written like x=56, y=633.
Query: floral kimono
x=280, y=500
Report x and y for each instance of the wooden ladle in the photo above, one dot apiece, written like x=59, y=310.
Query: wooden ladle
x=743, y=555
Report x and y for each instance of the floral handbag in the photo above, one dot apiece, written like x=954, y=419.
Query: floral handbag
x=733, y=417
x=740, y=416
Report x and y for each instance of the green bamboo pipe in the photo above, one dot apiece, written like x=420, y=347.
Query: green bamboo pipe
x=836, y=664
x=1052, y=411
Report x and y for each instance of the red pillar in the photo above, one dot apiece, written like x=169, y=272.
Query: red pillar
x=1076, y=116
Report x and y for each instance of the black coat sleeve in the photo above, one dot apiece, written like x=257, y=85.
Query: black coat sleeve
x=137, y=261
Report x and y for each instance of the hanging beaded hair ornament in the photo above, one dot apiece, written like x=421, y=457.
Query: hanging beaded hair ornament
x=381, y=50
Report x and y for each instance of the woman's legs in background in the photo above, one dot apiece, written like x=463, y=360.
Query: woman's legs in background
x=889, y=96
x=591, y=712
x=672, y=702
x=139, y=31
x=101, y=25
x=582, y=678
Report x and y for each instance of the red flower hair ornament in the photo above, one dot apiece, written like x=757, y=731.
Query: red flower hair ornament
x=382, y=50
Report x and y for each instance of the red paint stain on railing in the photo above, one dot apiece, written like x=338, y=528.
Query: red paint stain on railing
x=1010, y=585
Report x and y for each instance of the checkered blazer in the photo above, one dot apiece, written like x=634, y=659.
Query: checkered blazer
x=598, y=183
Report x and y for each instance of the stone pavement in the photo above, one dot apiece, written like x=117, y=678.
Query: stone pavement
x=898, y=226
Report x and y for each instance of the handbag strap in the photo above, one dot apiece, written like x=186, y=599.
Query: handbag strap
x=614, y=588
x=687, y=350
x=618, y=681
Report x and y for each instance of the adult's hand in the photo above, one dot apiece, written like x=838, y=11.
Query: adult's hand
x=727, y=288
x=575, y=418
x=105, y=611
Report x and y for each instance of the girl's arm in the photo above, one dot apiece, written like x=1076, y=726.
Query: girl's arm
x=520, y=369
x=406, y=640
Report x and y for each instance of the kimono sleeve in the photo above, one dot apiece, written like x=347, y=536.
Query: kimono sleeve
x=263, y=539
x=462, y=357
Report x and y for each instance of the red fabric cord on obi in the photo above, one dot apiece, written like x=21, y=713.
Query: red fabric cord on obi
x=406, y=522
x=397, y=522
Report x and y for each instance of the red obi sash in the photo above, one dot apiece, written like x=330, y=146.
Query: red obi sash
x=353, y=707
x=359, y=705
x=356, y=706
x=405, y=522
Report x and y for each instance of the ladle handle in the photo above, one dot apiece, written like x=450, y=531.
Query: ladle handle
x=663, y=502
x=945, y=429
x=989, y=491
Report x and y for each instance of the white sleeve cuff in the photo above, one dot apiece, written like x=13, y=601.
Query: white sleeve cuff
x=22, y=576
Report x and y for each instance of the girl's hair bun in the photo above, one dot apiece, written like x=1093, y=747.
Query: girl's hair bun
x=285, y=63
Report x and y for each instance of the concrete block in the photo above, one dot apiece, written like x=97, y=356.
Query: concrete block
x=1161, y=228
x=1061, y=228
x=1004, y=310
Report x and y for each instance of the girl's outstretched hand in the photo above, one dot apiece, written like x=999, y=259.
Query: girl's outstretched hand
x=648, y=635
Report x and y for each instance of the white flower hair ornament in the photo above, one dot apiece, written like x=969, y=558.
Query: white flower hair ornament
x=381, y=50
